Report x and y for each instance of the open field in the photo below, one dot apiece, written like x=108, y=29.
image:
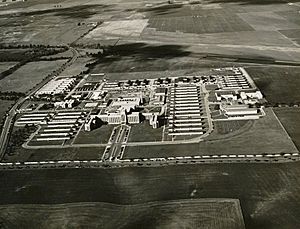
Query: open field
x=45, y=26
x=267, y=21
x=143, y=75
x=4, y=105
x=202, y=213
x=14, y=55
x=29, y=75
x=199, y=21
x=278, y=84
x=269, y=193
x=21, y=154
x=143, y=57
x=290, y=119
x=246, y=38
x=265, y=135
x=213, y=22
x=97, y=136
x=77, y=68
x=122, y=28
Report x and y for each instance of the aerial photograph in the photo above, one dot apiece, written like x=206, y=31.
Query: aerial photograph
x=141, y=114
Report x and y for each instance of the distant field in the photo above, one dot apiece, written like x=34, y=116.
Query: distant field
x=290, y=119
x=264, y=136
x=199, y=21
x=134, y=64
x=143, y=57
x=97, y=136
x=293, y=34
x=122, y=28
x=196, y=213
x=292, y=15
x=267, y=21
x=52, y=26
x=6, y=65
x=278, y=84
x=29, y=75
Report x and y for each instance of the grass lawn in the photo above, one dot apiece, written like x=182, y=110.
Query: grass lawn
x=225, y=129
x=143, y=132
x=100, y=135
x=266, y=135
x=75, y=153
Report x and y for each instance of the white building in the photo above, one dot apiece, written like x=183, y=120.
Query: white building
x=154, y=121
x=127, y=103
x=114, y=118
x=64, y=104
x=133, y=118
x=251, y=95
x=240, y=112
x=121, y=110
x=226, y=96
x=56, y=86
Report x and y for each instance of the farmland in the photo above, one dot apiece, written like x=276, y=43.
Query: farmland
x=267, y=21
x=199, y=21
x=269, y=195
x=29, y=75
x=207, y=213
x=6, y=65
x=290, y=119
x=78, y=68
x=40, y=27
x=293, y=34
x=278, y=84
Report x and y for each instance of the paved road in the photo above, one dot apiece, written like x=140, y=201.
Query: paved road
x=9, y=121
x=118, y=142
x=272, y=158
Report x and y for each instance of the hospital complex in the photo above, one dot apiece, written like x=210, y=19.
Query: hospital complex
x=183, y=105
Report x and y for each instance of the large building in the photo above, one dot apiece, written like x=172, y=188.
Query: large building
x=57, y=86
x=120, y=111
x=240, y=112
x=185, y=111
